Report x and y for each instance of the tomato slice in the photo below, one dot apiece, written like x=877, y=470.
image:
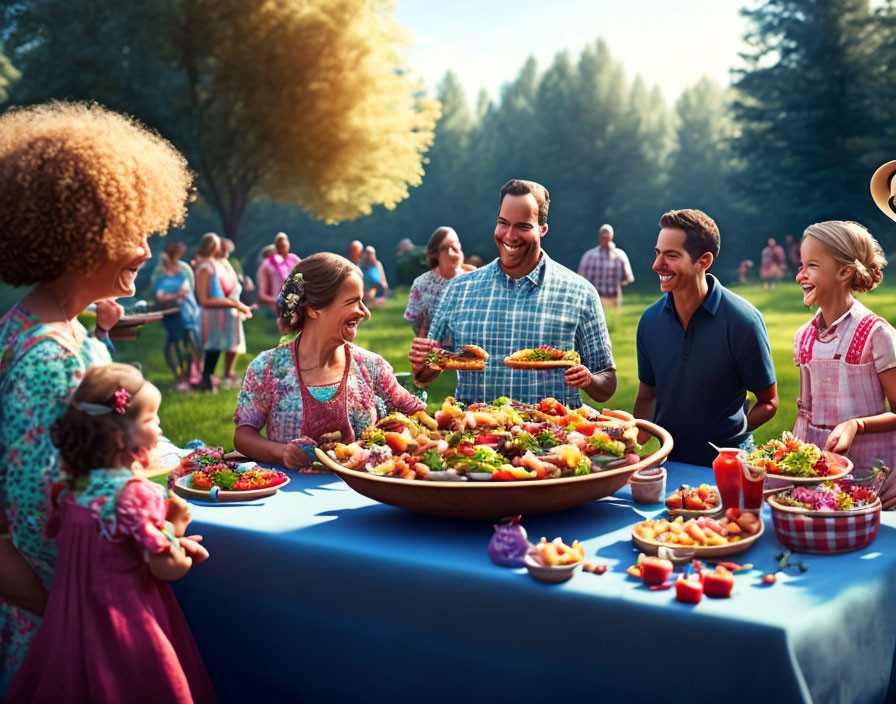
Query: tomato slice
x=487, y=439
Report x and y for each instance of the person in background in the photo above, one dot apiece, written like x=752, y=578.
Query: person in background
x=320, y=382
x=247, y=295
x=266, y=280
x=376, y=287
x=743, y=270
x=772, y=264
x=792, y=249
x=607, y=268
x=81, y=189
x=474, y=261
x=222, y=312
x=701, y=347
x=180, y=250
x=411, y=261
x=355, y=250
x=112, y=630
x=845, y=346
x=174, y=288
x=522, y=300
x=282, y=260
x=445, y=259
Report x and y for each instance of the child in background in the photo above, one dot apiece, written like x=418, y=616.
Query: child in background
x=112, y=629
x=846, y=354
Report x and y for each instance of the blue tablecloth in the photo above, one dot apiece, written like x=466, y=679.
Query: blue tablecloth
x=319, y=594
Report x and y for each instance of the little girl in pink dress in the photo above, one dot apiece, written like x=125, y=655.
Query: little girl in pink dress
x=846, y=354
x=112, y=630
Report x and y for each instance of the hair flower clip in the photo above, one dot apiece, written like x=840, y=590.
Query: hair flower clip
x=120, y=401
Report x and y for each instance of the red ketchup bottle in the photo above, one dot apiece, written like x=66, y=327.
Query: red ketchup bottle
x=727, y=470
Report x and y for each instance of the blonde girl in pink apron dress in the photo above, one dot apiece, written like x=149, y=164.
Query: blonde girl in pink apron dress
x=846, y=354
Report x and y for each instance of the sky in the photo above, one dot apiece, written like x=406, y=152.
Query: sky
x=670, y=43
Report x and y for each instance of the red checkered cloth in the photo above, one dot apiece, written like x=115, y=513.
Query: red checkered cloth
x=825, y=536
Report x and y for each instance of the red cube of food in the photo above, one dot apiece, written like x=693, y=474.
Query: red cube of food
x=688, y=591
x=718, y=584
x=655, y=570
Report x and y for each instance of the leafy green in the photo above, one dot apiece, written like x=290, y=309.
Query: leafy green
x=374, y=436
x=526, y=441
x=607, y=446
x=648, y=448
x=584, y=467
x=432, y=459
x=500, y=401
x=225, y=479
x=547, y=438
x=460, y=436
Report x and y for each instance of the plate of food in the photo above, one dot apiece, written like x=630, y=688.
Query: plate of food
x=792, y=460
x=471, y=358
x=693, y=502
x=498, y=459
x=543, y=357
x=206, y=476
x=707, y=537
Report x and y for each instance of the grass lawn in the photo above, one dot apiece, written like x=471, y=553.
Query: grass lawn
x=209, y=416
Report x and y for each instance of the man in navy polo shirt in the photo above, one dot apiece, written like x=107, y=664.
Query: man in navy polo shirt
x=701, y=347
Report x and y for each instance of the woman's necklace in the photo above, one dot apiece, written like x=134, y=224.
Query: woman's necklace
x=65, y=318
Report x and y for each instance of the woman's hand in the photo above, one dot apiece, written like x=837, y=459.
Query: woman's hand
x=108, y=313
x=245, y=311
x=841, y=437
x=293, y=456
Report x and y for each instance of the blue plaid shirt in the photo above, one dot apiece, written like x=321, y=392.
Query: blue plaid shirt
x=549, y=306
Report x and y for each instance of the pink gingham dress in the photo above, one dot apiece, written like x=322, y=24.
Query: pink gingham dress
x=838, y=380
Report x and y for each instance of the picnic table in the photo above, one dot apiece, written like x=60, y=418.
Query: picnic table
x=320, y=594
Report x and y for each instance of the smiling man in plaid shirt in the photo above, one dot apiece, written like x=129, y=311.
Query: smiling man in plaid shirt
x=607, y=268
x=522, y=300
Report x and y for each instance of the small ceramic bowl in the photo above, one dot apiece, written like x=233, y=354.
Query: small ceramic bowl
x=551, y=575
x=648, y=485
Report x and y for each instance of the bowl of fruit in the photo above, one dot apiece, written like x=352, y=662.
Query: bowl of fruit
x=554, y=561
x=693, y=502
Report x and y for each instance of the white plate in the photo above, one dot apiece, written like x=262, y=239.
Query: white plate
x=182, y=486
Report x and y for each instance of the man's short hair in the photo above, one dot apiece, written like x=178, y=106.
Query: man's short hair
x=605, y=228
x=518, y=187
x=281, y=236
x=701, y=231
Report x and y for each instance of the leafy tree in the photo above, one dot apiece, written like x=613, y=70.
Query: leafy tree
x=305, y=103
x=701, y=165
x=803, y=113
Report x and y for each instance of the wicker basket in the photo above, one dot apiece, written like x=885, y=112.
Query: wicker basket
x=825, y=532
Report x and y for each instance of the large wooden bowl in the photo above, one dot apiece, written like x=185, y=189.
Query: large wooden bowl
x=493, y=500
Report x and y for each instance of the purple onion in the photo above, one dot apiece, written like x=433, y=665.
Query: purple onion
x=508, y=545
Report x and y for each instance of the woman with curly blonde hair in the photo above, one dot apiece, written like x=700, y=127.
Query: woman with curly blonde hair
x=81, y=188
x=845, y=347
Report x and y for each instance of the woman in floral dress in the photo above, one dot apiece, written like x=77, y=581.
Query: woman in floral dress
x=446, y=260
x=319, y=382
x=80, y=190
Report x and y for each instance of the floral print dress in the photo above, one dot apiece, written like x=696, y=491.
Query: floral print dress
x=271, y=395
x=40, y=365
